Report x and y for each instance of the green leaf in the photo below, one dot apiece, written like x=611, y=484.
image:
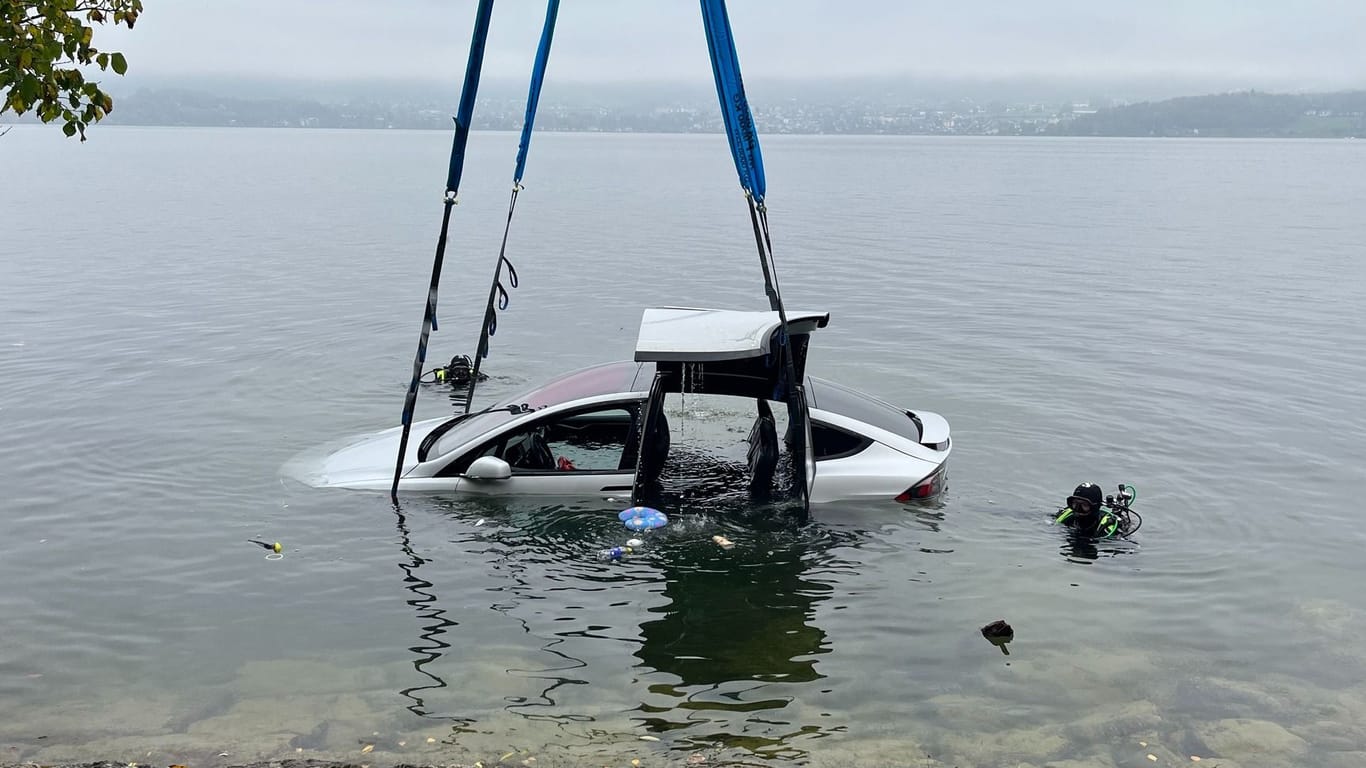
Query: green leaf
x=102, y=60
x=119, y=64
x=30, y=89
x=69, y=129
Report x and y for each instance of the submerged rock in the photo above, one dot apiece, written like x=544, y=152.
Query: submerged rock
x=1251, y=741
x=1114, y=724
x=1333, y=735
x=1343, y=760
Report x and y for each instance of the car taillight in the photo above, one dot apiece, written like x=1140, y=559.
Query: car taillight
x=923, y=489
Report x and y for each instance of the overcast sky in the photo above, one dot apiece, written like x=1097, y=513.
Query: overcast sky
x=1305, y=44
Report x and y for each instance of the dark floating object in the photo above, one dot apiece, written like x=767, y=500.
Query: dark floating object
x=998, y=629
x=998, y=633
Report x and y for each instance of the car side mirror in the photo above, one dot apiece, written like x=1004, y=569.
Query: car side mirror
x=488, y=468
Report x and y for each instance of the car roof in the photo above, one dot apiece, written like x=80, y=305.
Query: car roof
x=604, y=379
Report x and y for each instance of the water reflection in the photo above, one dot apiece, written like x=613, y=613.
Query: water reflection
x=1084, y=549
x=727, y=649
x=433, y=622
x=727, y=654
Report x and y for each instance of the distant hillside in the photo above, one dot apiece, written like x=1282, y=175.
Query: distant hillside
x=1247, y=114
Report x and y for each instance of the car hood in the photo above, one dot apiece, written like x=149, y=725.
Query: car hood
x=366, y=461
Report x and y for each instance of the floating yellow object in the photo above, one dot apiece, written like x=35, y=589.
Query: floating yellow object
x=649, y=738
x=431, y=739
x=367, y=749
x=724, y=542
x=510, y=754
x=1195, y=758
x=1152, y=758
x=635, y=763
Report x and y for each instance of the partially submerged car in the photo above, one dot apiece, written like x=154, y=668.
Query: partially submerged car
x=603, y=430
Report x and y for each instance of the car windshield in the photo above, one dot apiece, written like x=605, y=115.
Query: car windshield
x=603, y=379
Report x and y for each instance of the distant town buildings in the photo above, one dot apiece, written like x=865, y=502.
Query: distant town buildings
x=854, y=116
x=1232, y=114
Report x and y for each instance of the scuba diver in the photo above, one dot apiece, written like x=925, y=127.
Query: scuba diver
x=1092, y=513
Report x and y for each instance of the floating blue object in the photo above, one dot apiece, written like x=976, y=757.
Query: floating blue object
x=643, y=518
x=615, y=553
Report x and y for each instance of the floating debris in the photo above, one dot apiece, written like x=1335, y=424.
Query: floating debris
x=999, y=633
x=722, y=541
x=649, y=738
x=643, y=518
x=615, y=553
x=431, y=739
x=1152, y=757
x=998, y=628
x=367, y=749
x=1195, y=758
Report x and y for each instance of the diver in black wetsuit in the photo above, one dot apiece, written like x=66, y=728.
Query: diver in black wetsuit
x=1091, y=513
x=1083, y=511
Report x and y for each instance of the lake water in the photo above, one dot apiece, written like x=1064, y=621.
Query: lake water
x=184, y=310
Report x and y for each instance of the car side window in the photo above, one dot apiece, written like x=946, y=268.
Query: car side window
x=829, y=442
x=593, y=440
x=599, y=439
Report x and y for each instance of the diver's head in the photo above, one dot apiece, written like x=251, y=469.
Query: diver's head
x=1085, y=499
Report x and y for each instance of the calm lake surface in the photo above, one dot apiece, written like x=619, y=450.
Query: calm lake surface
x=184, y=310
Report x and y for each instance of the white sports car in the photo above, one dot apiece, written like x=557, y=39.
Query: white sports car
x=602, y=431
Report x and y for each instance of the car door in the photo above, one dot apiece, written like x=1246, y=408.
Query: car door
x=587, y=451
x=653, y=445
x=808, y=450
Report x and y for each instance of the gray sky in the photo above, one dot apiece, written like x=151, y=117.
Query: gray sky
x=1272, y=44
